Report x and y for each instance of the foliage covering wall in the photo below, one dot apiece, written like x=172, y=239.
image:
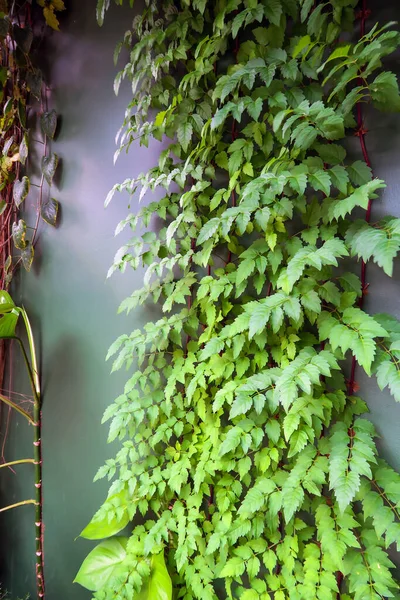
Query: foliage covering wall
x=246, y=466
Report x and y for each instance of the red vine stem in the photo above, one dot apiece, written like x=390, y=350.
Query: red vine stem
x=360, y=133
x=233, y=136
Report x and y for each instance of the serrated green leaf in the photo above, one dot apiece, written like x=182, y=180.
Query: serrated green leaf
x=184, y=134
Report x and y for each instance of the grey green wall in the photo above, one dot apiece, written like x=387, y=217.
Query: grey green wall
x=73, y=308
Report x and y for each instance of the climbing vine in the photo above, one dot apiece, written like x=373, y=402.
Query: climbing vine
x=23, y=96
x=23, y=103
x=23, y=99
x=246, y=468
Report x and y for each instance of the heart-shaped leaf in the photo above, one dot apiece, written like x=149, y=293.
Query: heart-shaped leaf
x=21, y=190
x=27, y=255
x=7, y=145
x=48, y=122
x=8, y=263
x=8, y=106
x=49, y=211
x=100, y=526
x=23, y=149
x=24, y=38
x=19, y=234
x=4, y=26
x=22, y=113
x=159, y=585
x=6, y=302
x=8, y=323
x=34, y=82
x=49, y=166
x=102, y=564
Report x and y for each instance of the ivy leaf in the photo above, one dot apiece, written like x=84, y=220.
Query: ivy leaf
x=359, y=172
x=102, y=564
x=27, y=255
x=23, y=149
x=304, y=136
x=21, y=190
x=231, y=441
x=101, y=8
x=49, y=166
x=23, y=37
x=320, y=180
x=233, y=568
x=273, y=11
x=34, y=82
x=184, y=133
x=258, y=319
x=49, y=211
x=351, y=453
x=208, y=230
x=48, y=122
x=340, y=178
x=254, y=109
x=301, y=45
x=340, y=52
x=19, y=234
x=360, y=197
x=385, y=92
x=49, y=13
x=238, y=22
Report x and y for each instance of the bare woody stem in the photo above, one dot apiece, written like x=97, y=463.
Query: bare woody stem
x=33, y=373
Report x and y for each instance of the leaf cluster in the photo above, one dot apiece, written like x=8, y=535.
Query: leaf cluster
x=244, y=457
x=21, y=89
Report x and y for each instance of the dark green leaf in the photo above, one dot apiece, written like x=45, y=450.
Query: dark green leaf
x=23, y=149
x=49, y=166
x=27, y=255
x=24, y=38
x=19, y=234
x=21, y=190
x=48, y=122
x=49, y=211
x=34, y=82
x=184, y=133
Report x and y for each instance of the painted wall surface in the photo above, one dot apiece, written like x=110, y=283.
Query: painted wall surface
x=73, y=307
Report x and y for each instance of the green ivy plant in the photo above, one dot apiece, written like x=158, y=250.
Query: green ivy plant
x=246, y=467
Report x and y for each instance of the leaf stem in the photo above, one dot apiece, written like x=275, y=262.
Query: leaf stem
x=23, y=503
x=17, y=462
